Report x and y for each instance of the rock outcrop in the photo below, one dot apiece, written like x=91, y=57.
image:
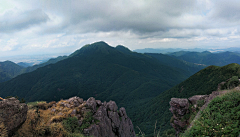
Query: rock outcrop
x=112, y=122
x=181, y=109
x=12, y=114
x=106, y=119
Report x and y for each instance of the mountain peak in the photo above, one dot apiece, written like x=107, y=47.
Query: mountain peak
x=97, y=47
x=122, y=48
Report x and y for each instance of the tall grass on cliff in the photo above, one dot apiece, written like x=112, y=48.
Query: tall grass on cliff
x=42, y=123
x=220, y=118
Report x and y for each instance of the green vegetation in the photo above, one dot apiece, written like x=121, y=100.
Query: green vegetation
x=9, y=70
x=50, y=61
x=71, y=125
x=208, y=58
x=99, y=71
x=200, y=103
x=233, y=82
x=139, y=82
x=220, y=118
x=201, y=83
x=176, y=63
x=44, y=122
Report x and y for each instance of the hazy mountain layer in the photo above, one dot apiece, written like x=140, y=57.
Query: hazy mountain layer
x=9, y=70
x=208, y=58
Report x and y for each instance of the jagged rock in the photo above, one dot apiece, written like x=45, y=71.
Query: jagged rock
x=111, y=123
x=91, y=103
x=126, y=127
x=99, y=103
x=179, y=106
x=12, y=114
x=122, y=112
x=105, y=119
x=75, y=101
x=111, y=105
x=115, y=120
x=194, y=99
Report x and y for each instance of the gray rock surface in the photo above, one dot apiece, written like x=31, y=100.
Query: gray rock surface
x=112, y=123
x=194, y=99
x=179, y=108
x=12, y=114
x=106, y=119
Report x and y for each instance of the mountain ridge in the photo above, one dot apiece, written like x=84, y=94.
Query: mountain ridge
x=201, y=83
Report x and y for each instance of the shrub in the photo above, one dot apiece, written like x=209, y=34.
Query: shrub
x=200, y=103
x=87, y=121
x=220, y=118
x=71, y=125
x=233, y=82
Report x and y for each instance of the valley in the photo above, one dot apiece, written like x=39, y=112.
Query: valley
x=142, y=83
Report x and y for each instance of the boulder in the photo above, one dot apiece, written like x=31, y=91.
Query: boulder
x=179, y=106
x=12, y=114
x=194, y=99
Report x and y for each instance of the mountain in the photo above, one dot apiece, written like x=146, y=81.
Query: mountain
x=201, y=83
x=176, y=63
x=208, y=58
x=8, y=70
x=99, y=70
x=170, y=50
x=24, y=64
x=50, y=61
x=167, y=50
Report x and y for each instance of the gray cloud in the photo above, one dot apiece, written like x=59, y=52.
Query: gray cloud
x=46, y=24
x=15, y=20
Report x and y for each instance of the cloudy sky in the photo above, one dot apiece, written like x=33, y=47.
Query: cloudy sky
x=62, y=26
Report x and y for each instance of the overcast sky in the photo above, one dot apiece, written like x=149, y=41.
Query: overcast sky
x=62, y=26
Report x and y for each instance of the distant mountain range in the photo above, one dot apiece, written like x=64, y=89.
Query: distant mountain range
x=169, y=50
x=9, y=70
x=25, y=64
x=208, y=58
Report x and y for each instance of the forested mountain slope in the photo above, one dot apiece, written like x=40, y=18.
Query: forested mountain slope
x=98, y=70
x=9, y=70
x=201, y=83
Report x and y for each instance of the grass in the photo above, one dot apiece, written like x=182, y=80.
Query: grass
x=3, y=130
x=220, y=118
x=157, y=132
x=43, y=123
